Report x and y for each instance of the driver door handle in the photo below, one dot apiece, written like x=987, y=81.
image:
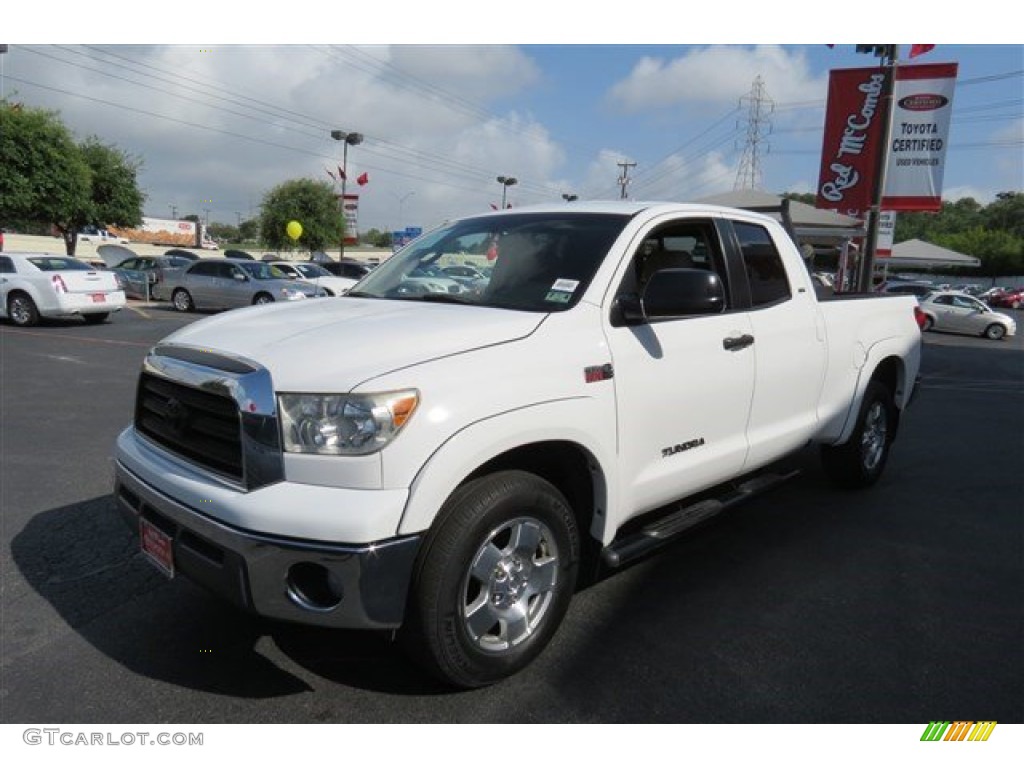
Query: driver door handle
x=736, y=343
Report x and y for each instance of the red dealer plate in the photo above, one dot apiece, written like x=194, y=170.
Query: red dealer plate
x=156, y=545
x=99, y=297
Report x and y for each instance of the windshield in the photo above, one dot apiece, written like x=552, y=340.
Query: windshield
x=260, y=271
x=542, y=262
x=312, y=270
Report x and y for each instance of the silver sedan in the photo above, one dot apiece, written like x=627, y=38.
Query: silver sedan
x=229, y=283
x=960, y=313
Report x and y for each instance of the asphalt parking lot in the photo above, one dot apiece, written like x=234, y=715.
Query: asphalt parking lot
x=899, y=605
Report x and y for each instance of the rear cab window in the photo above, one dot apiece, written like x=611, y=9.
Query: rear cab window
x=766, y=273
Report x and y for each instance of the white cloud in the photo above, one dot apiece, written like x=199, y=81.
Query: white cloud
x=717, y=75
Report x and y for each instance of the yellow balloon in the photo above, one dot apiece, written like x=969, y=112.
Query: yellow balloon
x=294, y=230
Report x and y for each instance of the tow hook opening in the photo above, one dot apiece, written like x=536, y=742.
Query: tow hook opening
x=313, y=587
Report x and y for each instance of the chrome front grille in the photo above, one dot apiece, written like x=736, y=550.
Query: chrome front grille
x=217, y=413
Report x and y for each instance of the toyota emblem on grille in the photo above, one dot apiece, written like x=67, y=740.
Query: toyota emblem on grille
x=177, y=417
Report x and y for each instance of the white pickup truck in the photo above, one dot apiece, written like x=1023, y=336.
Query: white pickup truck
x=451, y=465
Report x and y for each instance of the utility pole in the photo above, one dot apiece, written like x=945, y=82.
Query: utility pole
x=749, y=175
x=888, y=54
x=624, y=180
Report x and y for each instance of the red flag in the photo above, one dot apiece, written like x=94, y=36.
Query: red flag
x=917, y=50
x=333, y=177
x=363, y=179
x=341, y=174
x=494, y=207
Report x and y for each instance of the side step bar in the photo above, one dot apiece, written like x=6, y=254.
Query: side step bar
x=664, y=529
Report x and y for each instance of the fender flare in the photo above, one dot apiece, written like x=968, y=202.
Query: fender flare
x=462, y=454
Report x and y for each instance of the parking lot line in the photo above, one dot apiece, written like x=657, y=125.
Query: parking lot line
x=19, y=332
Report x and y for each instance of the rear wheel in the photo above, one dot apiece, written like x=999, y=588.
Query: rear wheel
x=96, y=318
x=995, y=332
x=858, y=463
x=22, y=310
x=493, y=580
x=183, y=301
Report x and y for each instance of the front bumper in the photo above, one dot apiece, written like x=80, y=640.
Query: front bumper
x=311, y=582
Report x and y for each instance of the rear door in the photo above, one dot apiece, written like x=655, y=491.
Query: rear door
x=789, y=345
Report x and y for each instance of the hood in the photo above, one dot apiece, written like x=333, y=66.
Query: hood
x=113, y=255
x=333, y=345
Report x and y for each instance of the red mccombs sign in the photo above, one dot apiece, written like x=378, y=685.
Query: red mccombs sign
x=922, y=105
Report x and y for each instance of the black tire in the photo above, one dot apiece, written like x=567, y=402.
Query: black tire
x=182, y=300
x=996, y=332
x=262, y=298
x=493, y=580
x=96, y=318
x=927, y=324
x=859, y=462
x=21, y=310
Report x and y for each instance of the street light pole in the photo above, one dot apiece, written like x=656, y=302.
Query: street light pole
x=506, y=182
x=346, y=139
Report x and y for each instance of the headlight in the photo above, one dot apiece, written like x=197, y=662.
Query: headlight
x=293, y=293
x=344, y=425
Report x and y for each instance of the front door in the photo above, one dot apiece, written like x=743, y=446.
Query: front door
x=683, y=393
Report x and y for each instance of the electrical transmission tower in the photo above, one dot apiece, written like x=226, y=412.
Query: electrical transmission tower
x=759, y=107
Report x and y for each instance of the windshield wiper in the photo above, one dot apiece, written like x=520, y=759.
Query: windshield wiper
x=445, y=298
x=362, y=295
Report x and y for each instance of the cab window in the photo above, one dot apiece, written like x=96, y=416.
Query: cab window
x=766, y=273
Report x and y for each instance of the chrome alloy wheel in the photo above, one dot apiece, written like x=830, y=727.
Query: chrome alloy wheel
x=876, y=432
x=20, y=310
x=510, y=584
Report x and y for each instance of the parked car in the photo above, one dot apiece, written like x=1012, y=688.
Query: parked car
x=1011, y=299
x=960, y=313
x=182, y=253
x=314, y=274
x=35, y=285
x=229, y=283
x=97, y=235
x=231, y=253
x=350, y=268
x=993, y=293
x=906, y=287
x=143, y=277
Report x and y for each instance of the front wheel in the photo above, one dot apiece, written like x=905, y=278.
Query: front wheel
x=263, y=298
x=928, y=324
x=995, y=332
x=858, y=463
x=183, y=300
x=493, y=580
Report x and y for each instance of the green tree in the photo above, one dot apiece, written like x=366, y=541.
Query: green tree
x=46, y=177
x=249, y=230
x=1006, y=213
x=377, y=238
x=43, y=176
x=312, y=204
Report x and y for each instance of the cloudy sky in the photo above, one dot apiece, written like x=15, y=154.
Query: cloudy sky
x=217, y=125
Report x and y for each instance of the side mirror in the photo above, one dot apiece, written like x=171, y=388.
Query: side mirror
x=239, y=277
x=681, y=292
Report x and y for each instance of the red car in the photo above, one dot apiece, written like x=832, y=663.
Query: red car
x=1013, y=299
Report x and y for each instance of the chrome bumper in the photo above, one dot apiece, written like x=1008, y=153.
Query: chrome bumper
x=309, y=582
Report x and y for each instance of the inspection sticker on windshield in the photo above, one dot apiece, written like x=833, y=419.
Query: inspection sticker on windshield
x=561, y=292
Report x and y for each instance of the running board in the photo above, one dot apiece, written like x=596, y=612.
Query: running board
x=664, y=529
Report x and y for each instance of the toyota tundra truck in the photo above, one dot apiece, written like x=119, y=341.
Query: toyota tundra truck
x=450, y=466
